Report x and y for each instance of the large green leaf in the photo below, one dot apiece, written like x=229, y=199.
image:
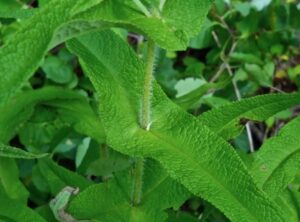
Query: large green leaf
x=225, y=120
x=12, y=152
x=111, y=201
x=278, y=161
x=187, y=149
x=19, y=59
x=60, y=20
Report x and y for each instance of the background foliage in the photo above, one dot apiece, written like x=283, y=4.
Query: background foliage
x=242, y=49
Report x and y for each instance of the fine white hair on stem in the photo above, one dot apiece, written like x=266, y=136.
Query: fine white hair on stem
x=148, y=126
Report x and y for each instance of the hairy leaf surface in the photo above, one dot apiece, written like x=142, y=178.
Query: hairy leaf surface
x=65, y=19
x=191, y=153
x=13, y=152
x=224, y=120
x=278, y=161
x=171, y=28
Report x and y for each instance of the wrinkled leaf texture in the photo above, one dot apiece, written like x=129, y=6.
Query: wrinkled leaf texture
x=60, y=20
x=191, y=153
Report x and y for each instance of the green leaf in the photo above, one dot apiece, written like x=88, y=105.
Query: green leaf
x=58, y=177
x=225, y=120
x=12, y=210
x=278, y=161
x=57, y=70
x=29, y=45
x=246, y=58
x=171, y=28
x=72, y=106
x=20, y=47
x=12, y=152
x=17, y=14
x=9, y=181
x=193, y=98
x=80, y=115
x=110, y=201
x=190, y=152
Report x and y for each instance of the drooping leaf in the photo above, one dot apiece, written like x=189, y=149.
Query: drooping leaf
x=187, y=149
x=12, y=152
x=278, y=161
x=225, y=120
x=171, y=28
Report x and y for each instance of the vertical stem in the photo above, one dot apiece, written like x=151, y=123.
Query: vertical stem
x=234, y=83
x=104, y=154
x=145, y=121
x=138, y=181
x=147, y=92
x=239, y=97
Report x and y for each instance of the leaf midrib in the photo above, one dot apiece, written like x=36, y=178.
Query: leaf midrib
x=161, y=139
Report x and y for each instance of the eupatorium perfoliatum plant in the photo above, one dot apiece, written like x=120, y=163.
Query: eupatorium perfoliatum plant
x=149, y=154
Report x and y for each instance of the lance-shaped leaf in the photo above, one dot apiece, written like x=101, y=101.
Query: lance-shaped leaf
x=225, y=120
x=111, y=201
x=13, y=152
x=278, y=161
x=191, y=153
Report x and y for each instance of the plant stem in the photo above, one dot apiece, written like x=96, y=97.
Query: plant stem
x=145, y=121
x=234, y=83
x=104, y=154
x=147, y=92
x=138, y=182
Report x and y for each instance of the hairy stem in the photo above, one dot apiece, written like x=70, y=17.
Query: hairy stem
x=145, y=121
x=147, y=92
x=138, y=182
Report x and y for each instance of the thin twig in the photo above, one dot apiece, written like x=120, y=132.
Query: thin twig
x=234, y=83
